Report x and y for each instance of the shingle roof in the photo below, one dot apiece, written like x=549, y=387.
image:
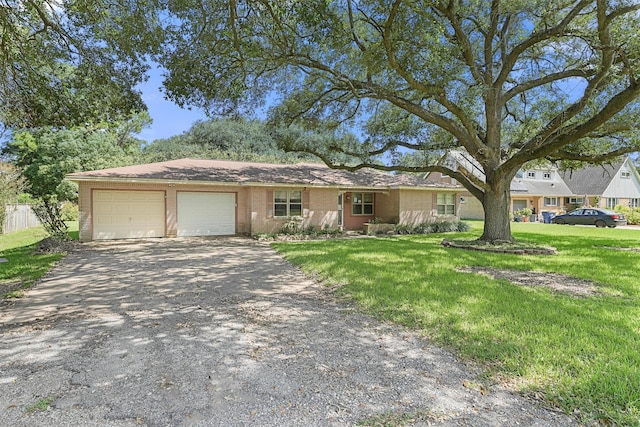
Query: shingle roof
x=591, y=180
x=308, y=174
x=545, y=188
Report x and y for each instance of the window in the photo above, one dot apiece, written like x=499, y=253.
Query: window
x=362, y=204
x=546, y=175
x=612, y=202
x=625, y=174
x=576, y=200
x=634, y=203
x=551, y=201
x=531, y=174
x=446, y=203
x=287, y=203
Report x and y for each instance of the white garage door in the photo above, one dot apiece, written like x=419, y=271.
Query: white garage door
x=206, y=214
x=119, y=214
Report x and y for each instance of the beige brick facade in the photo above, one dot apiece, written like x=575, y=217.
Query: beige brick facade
x=254, y=205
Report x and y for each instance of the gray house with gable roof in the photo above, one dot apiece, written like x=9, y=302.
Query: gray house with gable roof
x=606, y=185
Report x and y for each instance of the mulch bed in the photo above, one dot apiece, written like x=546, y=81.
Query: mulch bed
x=501, y=249
x=554, y=281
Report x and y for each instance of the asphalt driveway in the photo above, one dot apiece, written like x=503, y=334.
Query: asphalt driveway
x=223, y=332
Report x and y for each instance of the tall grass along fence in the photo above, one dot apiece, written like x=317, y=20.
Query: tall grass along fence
x=18, y=217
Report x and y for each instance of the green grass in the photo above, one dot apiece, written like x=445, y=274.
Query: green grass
x=581, y=354
x=40, y=405
x=23, y=268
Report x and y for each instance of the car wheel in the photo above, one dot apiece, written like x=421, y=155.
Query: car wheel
x=560, y=221
x=600, y=224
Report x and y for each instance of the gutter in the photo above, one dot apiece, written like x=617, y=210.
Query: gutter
x=173, y=182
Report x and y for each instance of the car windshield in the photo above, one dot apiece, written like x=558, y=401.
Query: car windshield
x=576, y=212
x=608, y=212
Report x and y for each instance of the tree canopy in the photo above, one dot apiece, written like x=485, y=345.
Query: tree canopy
x=506, y=81
x=66, y=63
x=46, y=155
x=233, y=139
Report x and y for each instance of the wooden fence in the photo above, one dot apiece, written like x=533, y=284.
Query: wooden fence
x=18, y=218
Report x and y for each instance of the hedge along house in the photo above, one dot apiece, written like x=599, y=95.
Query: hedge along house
x=190, y=197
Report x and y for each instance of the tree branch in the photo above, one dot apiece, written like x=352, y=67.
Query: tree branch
x=511, y=59
x=427, y=90
x=357, y=41
x=549, y=78
x=589, y=157
x=570, y=134
x=371, y=90
x=463, y=42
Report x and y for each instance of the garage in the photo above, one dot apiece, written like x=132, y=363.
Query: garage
x=206, y=214
x=120, y=214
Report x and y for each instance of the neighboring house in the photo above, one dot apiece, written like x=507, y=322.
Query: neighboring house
x=604, y=186
x=191, y=197
x=541, y=190
x=550, y=190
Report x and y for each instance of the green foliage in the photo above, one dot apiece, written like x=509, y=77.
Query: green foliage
x=433, y=227
x=224, y=139
x=509, y=82
x=23, y=268
x=66, y=64
x=631, y=214
x=69, y=211
x=40, y=405
x=46, y=155
x=292, y=226
x=25, y=198
x=580, y=353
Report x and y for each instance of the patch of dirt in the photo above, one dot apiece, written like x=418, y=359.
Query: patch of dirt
x=554, y=281
x=55, y=245
x=5, y=288
x=617, y=248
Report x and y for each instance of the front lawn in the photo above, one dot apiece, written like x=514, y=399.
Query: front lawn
x=581, y=353
x=23, y=268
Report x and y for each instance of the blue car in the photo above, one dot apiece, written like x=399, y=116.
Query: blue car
x=591, y=216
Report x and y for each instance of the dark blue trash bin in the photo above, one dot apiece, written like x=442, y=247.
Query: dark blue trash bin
x=546, y=216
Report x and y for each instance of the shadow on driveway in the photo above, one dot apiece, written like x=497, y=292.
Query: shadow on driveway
x=222, y=332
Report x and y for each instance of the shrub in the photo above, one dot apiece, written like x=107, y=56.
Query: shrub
x=292, y=226
x=632, y=214
x=69, y=211
x=433, y=227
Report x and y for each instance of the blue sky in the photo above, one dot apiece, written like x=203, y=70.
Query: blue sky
x=168, y=118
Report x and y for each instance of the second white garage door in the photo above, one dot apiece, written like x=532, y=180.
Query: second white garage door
x=206, y=214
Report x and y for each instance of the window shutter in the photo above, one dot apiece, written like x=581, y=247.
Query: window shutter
x=269, y=203
x=305, y=203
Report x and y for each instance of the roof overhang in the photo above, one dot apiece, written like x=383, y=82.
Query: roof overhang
x=246, y=184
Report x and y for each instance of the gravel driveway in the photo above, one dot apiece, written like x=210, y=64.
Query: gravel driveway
x=223, y=332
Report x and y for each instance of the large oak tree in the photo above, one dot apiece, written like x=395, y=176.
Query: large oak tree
x=506, y=81
x=70, y=62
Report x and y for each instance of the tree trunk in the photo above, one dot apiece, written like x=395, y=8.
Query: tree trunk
x=497, y=198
